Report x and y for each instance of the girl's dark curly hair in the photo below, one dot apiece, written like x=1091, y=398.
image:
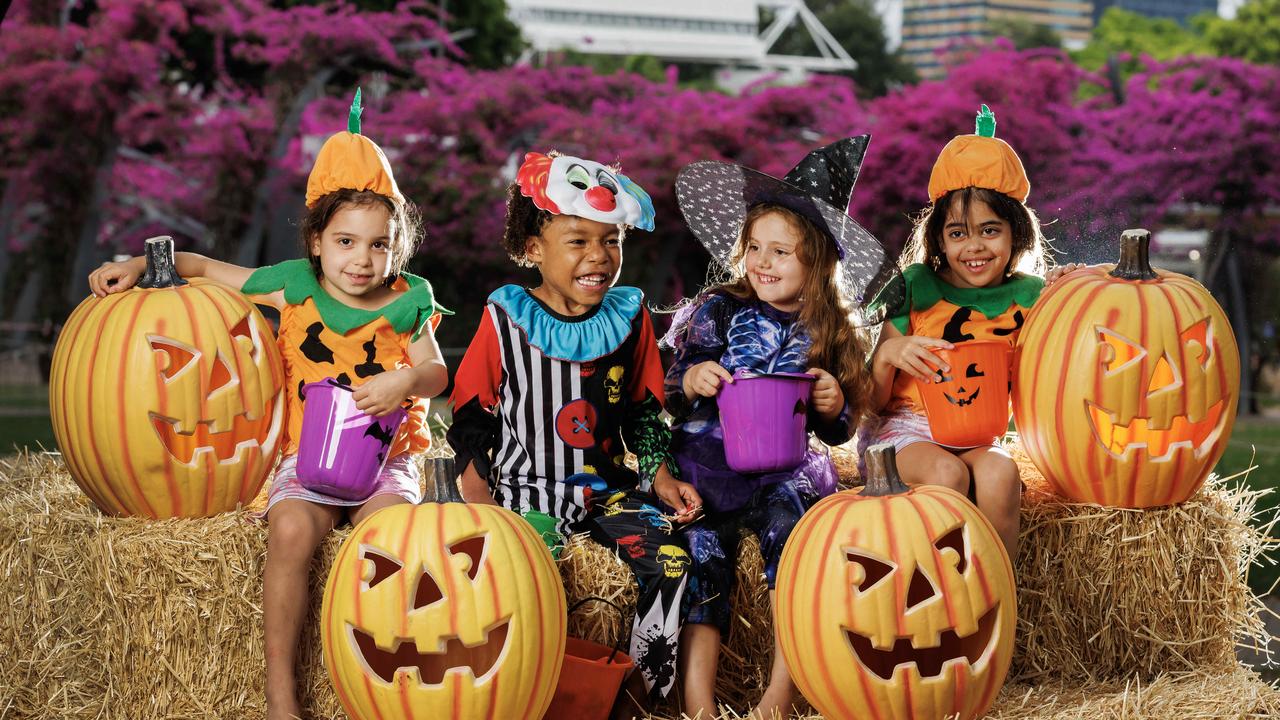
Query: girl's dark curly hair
x=406, y=225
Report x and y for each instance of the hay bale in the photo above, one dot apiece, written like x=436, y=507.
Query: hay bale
x=1232, y=694
x=127, y=618
x=123, y=618
x=1108, y=593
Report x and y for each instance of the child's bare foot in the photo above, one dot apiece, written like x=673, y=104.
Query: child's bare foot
x=774, y=705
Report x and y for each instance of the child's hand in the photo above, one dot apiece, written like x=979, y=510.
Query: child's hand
x=911, y=354
x=384, y=392
x=1052, y=276
x=679, y=495
x=114, y=277
x=704, y=379
x=827, y=399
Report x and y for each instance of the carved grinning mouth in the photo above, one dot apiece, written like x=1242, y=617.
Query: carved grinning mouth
x=452, y=654
x=961, y=402
x=184, y=446
x=929, y=662
x=1159, y=443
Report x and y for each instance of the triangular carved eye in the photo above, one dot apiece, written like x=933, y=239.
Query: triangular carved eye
x=873, y=570
x=473, y=549
x=172, y=357
x=955, y=541
x=383, y=566
x=244, y=329
x=1118, y=353
x=1200, y=341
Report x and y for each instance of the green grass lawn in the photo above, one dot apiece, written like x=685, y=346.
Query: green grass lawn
x=1258, y=440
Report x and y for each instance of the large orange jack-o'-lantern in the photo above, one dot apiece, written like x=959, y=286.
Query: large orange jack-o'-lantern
x=443, y=611
x=167, y=399
x=1127, y=382
x=896, y=602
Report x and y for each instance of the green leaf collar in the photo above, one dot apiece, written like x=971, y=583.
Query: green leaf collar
x=410, y=311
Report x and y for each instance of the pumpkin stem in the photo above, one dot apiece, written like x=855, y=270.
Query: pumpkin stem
x=1135, y=256
x=161, y=270
x=985, y=124
x=353, y=115
x=882, y=473
x=444, y=471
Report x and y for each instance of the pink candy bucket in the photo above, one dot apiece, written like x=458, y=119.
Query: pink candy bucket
x=342, y=449
x=763, y=418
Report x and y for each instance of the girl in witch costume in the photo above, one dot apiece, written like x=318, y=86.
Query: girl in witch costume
x=971, y=272
x=562, y=379
x=789, y=247
x=347, y=311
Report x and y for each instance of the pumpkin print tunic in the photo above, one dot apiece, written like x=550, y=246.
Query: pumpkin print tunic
x=320, y=338
x=934, y=308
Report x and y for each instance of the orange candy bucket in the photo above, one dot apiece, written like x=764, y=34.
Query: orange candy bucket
x=969, y=405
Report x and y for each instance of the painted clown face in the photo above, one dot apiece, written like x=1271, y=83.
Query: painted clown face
x=567, y=185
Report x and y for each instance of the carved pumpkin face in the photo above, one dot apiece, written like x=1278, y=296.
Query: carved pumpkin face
x=1127, y=389
x=969, y=404
x=899, y=606
x=168, y=402
x=443, y=610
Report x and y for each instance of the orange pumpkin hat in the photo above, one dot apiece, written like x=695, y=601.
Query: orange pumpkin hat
x=351, y=161
x=979, y=160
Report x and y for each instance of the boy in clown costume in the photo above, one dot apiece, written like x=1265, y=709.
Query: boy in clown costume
x=562, y=379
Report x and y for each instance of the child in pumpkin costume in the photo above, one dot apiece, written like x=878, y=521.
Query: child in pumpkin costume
x=562, y=379
x=971, y=270
x=793, y=257
x=347, y=311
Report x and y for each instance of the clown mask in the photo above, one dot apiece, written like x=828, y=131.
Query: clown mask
x=567, y=185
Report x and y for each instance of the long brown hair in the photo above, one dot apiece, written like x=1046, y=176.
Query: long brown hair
x=1028, y=243
x=839, y=346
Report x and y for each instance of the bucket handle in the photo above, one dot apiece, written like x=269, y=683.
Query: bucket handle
x=616, y=648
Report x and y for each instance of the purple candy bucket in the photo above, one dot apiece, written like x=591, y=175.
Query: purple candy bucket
x=342, y=449
x=763, y=418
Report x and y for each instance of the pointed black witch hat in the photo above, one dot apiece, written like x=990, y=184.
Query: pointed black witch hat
x=715, y=197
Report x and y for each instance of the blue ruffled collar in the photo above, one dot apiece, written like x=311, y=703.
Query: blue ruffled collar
x=583, y=338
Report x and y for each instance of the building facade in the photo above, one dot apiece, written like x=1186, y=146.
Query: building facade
x=930, y=27
x=1180, y=10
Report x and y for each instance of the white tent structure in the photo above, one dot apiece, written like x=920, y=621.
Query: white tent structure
x=721, y=32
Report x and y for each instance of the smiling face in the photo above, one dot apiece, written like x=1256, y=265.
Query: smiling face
x=579, y=261
x=1136, y=389
x=899, y=601
x=354, y=250
x=772, y=261
x=168, y=402
x=977, y=246
x=445, y=609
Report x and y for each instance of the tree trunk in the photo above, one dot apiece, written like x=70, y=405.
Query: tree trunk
x=88, y=254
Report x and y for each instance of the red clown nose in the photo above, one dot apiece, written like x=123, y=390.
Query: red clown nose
x=600, y=198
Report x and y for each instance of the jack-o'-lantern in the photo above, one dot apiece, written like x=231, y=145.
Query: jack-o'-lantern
x=1127, y=382
x=443, y=610
x=168, y=399
x=969, y=404
x=896, y=602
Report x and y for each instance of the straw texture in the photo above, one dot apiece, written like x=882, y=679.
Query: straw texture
x=123, y=618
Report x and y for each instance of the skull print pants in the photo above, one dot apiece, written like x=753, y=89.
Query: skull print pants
x=633, y=525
